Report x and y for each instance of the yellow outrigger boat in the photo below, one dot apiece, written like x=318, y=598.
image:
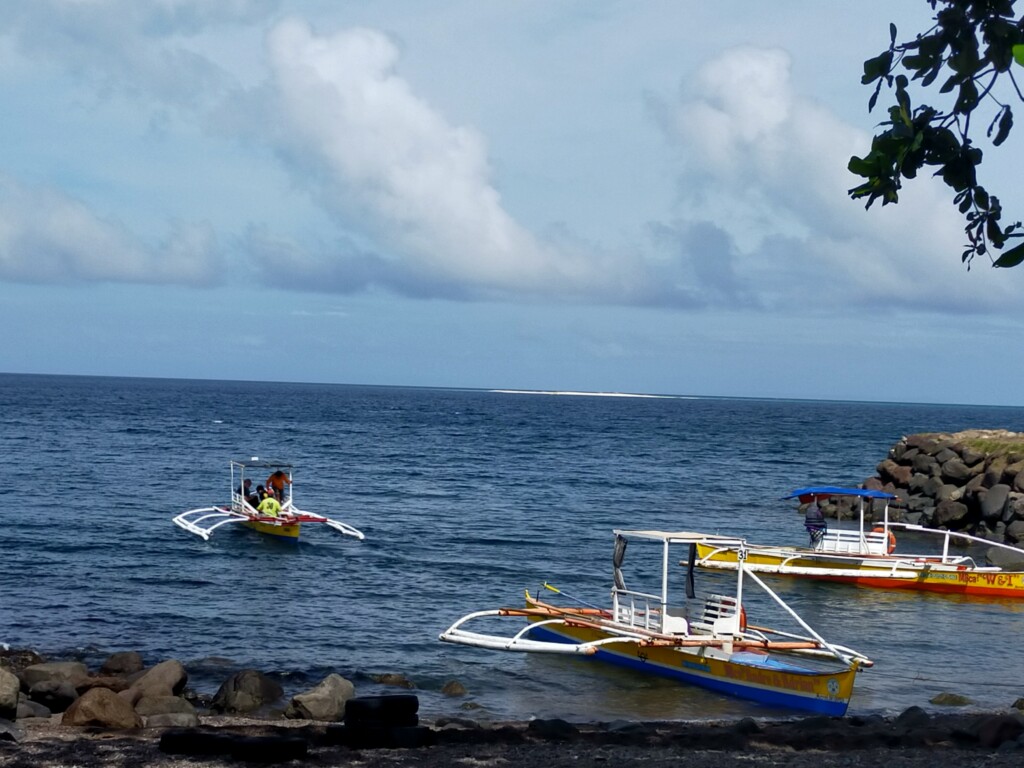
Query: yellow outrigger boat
x=284, y=523
x=871, y=557
x=703, y=640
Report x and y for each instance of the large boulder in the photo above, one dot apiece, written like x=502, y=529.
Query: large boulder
x=325, y=702
x=971, y=456
x=75, y=672
x=955, y=471
x=10, y=687
x=1010, y=560
x=932, y=487
x=116, y=683
x=925, y=465
x=55, y=695
x=950, y=514
x=168, y=678
x=10, y=732
x=993, y=502
x=163, y=705
x=122, y=663
x=172, y=720
x=1015, y=531
x=890, y=470
x=246, y=691
x=994, y=471
x=995, y=730
x=29, y=709
x=16, y=659
x=100, y=707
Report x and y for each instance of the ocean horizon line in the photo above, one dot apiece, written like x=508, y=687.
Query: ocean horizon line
x=508, y=390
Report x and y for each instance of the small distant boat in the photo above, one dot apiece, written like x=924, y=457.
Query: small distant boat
x=704, y=640
x=870, y=555
x=285, y=523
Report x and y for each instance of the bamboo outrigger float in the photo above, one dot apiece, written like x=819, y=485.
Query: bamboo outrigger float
x=700, y=640
x=870, y=555
x=285, y=522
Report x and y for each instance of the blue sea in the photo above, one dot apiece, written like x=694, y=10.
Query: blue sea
x=466, y=497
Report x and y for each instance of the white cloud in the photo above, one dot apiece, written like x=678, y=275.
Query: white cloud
x=46, y=236
x=380, y=147
x=397, y=174
x=769, y=167
x=139, y=50
x=412, y=199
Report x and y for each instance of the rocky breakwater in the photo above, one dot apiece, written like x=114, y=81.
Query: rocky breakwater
x=970, y=481
x=124, y=694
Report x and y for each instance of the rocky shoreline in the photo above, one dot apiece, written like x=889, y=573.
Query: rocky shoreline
x=970, y=482
x=128, y=715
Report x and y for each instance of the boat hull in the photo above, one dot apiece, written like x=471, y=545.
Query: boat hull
x=288, y=531
x=750, y=675
x=879, y=572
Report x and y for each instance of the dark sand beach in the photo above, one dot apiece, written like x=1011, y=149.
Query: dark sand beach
x=914, y=739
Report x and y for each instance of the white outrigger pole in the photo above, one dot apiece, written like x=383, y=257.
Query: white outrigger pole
x=284, y=524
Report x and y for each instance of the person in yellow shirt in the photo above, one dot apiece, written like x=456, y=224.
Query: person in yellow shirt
x=270, y=506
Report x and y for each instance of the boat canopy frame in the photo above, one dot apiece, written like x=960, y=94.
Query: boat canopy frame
x=869, y=543
x=645, y=618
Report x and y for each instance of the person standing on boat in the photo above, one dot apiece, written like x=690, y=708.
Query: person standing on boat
x=814, y=522
x=276, y=483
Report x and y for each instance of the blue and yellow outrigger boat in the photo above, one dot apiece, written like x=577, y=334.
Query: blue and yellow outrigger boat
x=284, y=520
x=703, y=640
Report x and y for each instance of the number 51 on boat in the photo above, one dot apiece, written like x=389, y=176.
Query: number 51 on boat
x=700, y=639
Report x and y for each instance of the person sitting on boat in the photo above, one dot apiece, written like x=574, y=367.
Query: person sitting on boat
x=269, y=506
x=814, y=522
x=245, y=489
x=254, y=498
x=276, y=483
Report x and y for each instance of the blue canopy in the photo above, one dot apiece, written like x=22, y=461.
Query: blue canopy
x=829, y=490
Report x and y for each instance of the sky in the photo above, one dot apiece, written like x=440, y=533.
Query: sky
x=562, y=195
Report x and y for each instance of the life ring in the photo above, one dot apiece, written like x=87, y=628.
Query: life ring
x=892, y=540
x=743, y=619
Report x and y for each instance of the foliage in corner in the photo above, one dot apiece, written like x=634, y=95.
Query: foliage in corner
x=973, y=46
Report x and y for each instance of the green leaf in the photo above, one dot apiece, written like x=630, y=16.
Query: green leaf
x=967, y=99
x=892, y=33
x=876, y=67
x=981, y=198
x=1010, y=258
x=861, y=166
x=930, y=77
x=1005, y=124
x=1018, y=54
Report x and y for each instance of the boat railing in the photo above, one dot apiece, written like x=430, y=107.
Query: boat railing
x=640, y=609
x=948, y=540
x=240, y=504
x=849, y=541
